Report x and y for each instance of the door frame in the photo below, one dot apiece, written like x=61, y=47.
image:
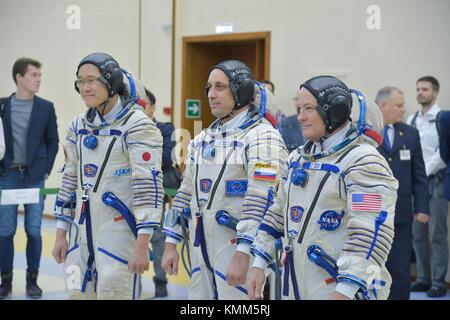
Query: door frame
x=231, y=38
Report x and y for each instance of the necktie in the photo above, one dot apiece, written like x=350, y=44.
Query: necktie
x=386, y=138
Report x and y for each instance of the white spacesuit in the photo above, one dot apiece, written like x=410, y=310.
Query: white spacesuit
x=229, y=179
x=114, y=166
x=335, y=207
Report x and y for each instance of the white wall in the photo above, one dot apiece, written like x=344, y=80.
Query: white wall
x=332, y=36
x=38, y=29
x=308, y=37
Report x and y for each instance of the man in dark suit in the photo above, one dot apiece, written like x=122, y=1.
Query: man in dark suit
x=401, y=148
x=158, y=238
x=291, y=131
x=444, y=147
x=31, y=136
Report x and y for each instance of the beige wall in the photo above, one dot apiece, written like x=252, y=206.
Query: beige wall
x=330, y=36
x=38, y=29
x=308, y=37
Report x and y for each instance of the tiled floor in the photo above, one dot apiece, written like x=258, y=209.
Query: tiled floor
x=51, y=274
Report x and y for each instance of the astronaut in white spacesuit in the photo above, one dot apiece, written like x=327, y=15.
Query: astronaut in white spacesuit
x=231, y=173
x=335, y=205
x=113, y=164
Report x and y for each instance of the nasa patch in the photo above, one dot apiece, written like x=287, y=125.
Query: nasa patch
x=330, y=220
x=296, y=213
x=90, y=170
x=205, y=185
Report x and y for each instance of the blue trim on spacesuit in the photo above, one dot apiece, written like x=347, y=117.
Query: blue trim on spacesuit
x=110, y=199
x=155, y=174
x=346, y=277
x=240, y=238
x=261, y=253
x=322, y=259
x=72, y=249
x=134, y=286
x=123, y=261
x=320, y=166
x=197, y=269
x=97, y=132
x=289, y=270
x=172, y=235
x=90, y=244
x=200, y=241
x=271, y=231
x=224, y=278
x=62, y=217
x=378, y=222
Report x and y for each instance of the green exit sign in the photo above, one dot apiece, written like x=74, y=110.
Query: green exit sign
x=193, y=107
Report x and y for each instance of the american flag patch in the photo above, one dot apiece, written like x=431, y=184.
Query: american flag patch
x=366, y=202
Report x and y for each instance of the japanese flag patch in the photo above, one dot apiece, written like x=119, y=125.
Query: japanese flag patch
x=145, y=157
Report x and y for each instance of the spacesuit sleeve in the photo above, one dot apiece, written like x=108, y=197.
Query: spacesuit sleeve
x=69, y=182
x=144, y=143
x=266, y=154
x=172, y=229
x=371, y=193
x=271, y=228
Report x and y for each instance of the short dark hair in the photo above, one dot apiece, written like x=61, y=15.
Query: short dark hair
x=430, y=79
x=269, y=82
x=21, y=66
x=150, y=96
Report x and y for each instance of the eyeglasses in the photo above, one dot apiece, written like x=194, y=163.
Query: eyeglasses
x=90, y=82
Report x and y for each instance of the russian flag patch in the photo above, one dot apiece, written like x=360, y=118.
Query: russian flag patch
x=265, y=171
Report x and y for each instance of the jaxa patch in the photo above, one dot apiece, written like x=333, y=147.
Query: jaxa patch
x=265, y=171
x=205, y=185
x=122, y=172
x=330, y=220
x=90, y=170
x=145, y=157
x=236, y=188
x=296, y=213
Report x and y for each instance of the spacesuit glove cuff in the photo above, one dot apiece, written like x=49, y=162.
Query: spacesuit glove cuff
x=63, y=225
x=148, y=231
x=172, y=240
x=259, y=262
x=347, y=289
x=244, y=247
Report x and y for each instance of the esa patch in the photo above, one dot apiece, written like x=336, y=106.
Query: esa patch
x=90, y=170
x=205, y=185
x=236, y=188
x=265, y=171
x=330, y=220
x=296, y=213
x=145, y=157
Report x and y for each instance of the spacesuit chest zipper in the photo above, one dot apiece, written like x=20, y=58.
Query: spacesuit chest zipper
x=219, y=178
x=316, y=197
x=105, y=161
